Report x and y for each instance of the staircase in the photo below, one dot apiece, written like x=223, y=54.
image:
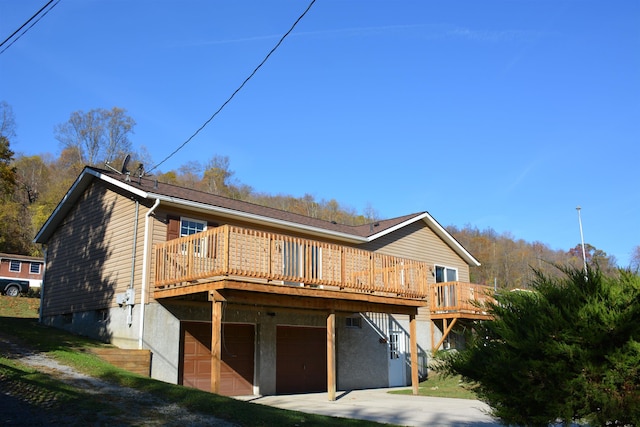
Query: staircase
x=135, y=361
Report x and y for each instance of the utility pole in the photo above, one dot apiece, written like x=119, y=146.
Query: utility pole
x=584, y=254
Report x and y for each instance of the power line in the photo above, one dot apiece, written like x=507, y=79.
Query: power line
x=26, y=23
x=255, y=70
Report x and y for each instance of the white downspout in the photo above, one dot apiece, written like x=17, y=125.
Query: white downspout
x=145, y=262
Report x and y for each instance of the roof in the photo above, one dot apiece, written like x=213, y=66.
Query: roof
x=175, y=196
x=20, y=257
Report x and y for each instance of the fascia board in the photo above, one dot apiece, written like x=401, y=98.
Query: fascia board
x=78, y=187
x=259, y=219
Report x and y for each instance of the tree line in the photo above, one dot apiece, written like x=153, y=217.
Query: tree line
x=32, y=186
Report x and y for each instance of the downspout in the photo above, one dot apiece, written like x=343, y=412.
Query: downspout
x=44, y=274
x=145, y=254
x=133, y=265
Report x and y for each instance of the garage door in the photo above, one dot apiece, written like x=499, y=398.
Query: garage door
x=301, y=359
x=236, y=370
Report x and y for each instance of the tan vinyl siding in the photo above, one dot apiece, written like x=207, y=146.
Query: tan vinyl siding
x=417, y=241
x=91, y=253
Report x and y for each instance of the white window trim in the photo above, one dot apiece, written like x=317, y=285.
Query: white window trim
x=37, y=264
x=199, y=221
x=201, y=248
x=11, y=264
x=435, y=268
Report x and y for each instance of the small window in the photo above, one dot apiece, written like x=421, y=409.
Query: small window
x=354, y=322
x=394, y=346
x=35, y=268
x=191, y=226
x=102, y=315
x=14, y=266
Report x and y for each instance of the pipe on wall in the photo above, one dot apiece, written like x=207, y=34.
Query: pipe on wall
x=145, y=262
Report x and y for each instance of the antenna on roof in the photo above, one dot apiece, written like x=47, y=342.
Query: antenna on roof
x=125, y=163
x=124, y=169
x=108, y=165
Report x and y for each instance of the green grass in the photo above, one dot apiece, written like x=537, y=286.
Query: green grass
x=18, y=317
x=441, y=386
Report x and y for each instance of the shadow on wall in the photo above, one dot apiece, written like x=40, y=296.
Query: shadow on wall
x=78, y=289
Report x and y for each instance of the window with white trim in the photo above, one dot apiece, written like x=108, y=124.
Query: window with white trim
x=35, y=268
x=189, y=226
x=14, y=265
x=446, y=274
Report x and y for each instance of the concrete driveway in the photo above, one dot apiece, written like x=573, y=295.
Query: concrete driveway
x=378, y=405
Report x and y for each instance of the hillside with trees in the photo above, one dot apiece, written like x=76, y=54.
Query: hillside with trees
x=32, y=186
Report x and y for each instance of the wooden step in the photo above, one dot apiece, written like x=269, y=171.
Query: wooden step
x=136, y=361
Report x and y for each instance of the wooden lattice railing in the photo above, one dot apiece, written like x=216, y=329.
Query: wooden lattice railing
x=240, y=252
x=458, y=297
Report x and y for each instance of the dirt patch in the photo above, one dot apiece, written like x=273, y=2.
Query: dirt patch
x=24, y=404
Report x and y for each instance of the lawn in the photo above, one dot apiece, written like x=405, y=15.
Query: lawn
x=18, y=318
x=442, y=386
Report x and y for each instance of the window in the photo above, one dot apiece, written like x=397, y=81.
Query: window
x=14, y=265
x=446, y=274
x=35, y=268
x=102, y=315
x=354, y=322
x=192, y=226
x=394, y=345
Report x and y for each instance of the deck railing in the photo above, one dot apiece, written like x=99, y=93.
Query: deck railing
x=458, y=297
x=240, y=252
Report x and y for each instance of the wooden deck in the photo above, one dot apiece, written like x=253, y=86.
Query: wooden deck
x=450, y=302
x=240, y=254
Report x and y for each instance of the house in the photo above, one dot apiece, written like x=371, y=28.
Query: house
x=242, y=299
x=22, y=267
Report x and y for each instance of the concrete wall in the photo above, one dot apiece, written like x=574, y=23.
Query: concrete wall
x=361, y=358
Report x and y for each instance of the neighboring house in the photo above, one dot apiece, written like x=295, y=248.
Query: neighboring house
x=22, y=267
x=242, y=299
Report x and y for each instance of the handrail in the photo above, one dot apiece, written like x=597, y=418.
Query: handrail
x=234, y=251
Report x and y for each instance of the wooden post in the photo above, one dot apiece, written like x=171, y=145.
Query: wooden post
x=227, y=250
x=216, y=344
x=331, y=355
x=413, y=342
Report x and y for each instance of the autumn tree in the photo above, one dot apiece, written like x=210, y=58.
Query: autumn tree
x=96, y=136
x=9, y=212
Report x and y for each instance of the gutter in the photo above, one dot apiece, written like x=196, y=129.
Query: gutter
x=145, y=262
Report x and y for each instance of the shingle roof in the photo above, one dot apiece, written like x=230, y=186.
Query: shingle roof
x=181, y=193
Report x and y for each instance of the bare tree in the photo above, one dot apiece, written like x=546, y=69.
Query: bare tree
x=7, y=121
x=634, y=264
x=98, y=135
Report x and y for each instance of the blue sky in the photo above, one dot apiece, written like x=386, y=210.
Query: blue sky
x=502, y=114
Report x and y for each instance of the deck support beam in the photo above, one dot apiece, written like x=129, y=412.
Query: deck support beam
x=445, y=333
x=331, y=355
x=413, y=342
x=216, y=344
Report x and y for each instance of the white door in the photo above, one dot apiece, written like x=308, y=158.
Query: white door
x=397, y=359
